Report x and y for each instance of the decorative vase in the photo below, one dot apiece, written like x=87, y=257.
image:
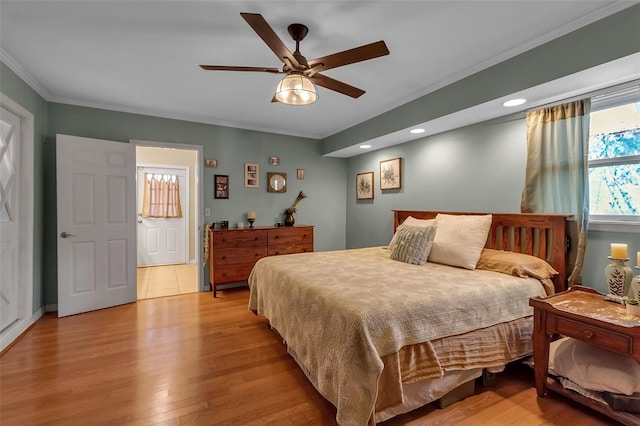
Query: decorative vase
x=618, y=276
x=635, y=286
x=289, y=220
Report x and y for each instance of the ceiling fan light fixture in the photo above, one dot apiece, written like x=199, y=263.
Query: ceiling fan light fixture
x=296, y=89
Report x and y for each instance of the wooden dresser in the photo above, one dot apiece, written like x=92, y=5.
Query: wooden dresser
x=233, y=252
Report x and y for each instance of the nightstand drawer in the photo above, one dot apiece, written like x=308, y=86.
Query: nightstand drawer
x=604, y=338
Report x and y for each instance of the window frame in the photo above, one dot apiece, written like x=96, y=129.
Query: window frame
x=615, y=223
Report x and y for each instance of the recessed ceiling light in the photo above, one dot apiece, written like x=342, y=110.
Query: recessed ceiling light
x=365, y=146
x=415, y=131
x=514, y=102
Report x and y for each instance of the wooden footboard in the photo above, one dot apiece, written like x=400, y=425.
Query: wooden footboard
x=540, y=235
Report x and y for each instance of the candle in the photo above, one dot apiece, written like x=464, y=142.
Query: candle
x=251, y=215
x=619, y=251
x=638, y=262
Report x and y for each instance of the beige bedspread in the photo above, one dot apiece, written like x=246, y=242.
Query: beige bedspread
x=341, y=311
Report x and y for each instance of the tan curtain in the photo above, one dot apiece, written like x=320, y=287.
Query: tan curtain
x=557, y=171
x=161, y=196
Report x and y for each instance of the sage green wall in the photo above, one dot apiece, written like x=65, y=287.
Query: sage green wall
x=478, y=168
x=611, y=38
x=323, y=183
x=598, y=248
x=475, y=168
x=15, y=88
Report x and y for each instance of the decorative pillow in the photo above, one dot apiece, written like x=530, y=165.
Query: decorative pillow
x=594, y=368
x=413, y=244
x=516, y=264
x=409, y=221
x=460, y=239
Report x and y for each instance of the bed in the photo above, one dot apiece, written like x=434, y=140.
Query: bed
x=378, y=337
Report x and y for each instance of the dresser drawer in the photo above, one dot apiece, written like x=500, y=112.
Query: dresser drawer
x=234, y=252
x=604, y=338
x=290, y=249
x=239, y=255
x=239, y=238
x=289, y=235
x=232, y=273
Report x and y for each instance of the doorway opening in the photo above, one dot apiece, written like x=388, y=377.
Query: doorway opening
x=169, y=249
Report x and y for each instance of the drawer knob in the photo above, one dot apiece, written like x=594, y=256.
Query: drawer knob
x=588, y=334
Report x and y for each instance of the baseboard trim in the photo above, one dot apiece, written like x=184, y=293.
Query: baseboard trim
x=51, y=308
x=14, y=333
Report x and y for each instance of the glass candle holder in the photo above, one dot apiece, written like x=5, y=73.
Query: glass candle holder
x=618, y=275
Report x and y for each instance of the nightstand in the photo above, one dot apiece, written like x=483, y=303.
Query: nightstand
x=583, y=314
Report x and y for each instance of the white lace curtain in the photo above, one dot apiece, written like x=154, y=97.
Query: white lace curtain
x=161, y=196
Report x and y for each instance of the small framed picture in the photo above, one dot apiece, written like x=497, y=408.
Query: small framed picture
x=251, y=175
x=300, y=173
x=391, y=174
x=221, y=186
x=364, y=186
x=276, y=182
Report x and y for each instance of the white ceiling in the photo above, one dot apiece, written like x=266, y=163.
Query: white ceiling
x=143, y=56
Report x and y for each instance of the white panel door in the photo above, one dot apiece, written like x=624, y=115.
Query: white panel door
x=163, y=241
x=9, y=217
x=96, y=224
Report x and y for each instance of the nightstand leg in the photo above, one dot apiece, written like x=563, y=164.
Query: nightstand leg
x=541, y=341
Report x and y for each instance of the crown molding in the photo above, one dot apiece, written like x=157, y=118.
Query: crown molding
x=24, y=75
x=576, y=24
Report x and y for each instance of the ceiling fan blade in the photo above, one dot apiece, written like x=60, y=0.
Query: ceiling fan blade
x=337, y=86
x=230, y=68
x=351, y=56
x=266, y=33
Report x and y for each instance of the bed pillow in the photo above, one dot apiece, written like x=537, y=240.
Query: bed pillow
x=413, y=244
x=594, y=368
x=516, y=264
x=519, y=265
x=409, y=221
x=460, y=239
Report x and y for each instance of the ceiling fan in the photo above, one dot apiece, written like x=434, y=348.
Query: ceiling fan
x=298, y=86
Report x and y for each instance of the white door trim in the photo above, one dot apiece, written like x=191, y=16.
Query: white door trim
x=185, y=202
x=198, y=202
x=26, y=314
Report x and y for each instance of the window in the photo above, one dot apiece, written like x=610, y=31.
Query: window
x=614, y=162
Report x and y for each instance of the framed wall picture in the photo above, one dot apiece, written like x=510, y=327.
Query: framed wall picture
x=391, y=174
x=221, y=186
x=251, y=175
x=276, y=182
x=364, y=186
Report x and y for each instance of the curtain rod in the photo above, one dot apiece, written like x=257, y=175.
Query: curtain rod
x=607, y=91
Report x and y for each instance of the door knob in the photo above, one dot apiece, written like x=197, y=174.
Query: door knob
x=66, y=235
x=139, y=220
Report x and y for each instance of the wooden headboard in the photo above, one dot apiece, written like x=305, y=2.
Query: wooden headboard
x=540, y=235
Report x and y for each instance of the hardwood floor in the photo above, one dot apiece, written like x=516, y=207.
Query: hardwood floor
x=191, y=359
